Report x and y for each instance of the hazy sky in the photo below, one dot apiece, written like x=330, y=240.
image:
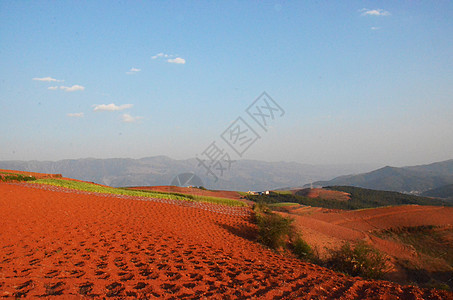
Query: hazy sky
x=359, y=81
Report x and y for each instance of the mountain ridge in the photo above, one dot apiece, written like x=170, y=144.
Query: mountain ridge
x=410, y=179
x=243, y=175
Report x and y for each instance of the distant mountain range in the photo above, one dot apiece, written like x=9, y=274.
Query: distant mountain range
x=414, y=179
x=243, y=175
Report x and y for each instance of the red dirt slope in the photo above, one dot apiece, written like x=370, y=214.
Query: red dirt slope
x=323, y=194
x=81, y=245
x=390, y=217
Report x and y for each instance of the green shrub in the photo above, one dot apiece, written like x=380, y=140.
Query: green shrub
x=17, y=177
x=302, y=249
x=276, y=231
x=361, y=260
x=273, y=229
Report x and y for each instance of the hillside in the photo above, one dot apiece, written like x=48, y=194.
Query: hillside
x=96, y=245
x=244, y=175
x=418, y=239
x=444, y=192
x=324, y=194
x=415, y=180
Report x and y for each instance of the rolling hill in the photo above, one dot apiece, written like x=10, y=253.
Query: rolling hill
x=414, y=179
x=444, y=192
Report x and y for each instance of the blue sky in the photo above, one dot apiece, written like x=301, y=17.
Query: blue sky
x=360, y=81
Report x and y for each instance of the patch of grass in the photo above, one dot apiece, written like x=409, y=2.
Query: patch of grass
x=90, y=187
x=283, y=192
x=359, y=260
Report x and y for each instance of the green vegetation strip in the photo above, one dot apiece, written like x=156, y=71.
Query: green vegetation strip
x=89, y=187
x=281, y=204
x=360, y=199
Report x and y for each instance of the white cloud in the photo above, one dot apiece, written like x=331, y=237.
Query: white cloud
x=163, y=55
x=111, y=107
x=177, y=60
x=133, y=71
x=375, y=28
x=73, y=88
x=127, y=118
x=374, y=12
x=47, y=79
x=75, y=115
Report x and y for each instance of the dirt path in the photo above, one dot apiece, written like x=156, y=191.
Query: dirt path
x=63, y=243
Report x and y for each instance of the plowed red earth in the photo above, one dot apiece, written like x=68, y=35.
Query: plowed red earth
x=70, y=245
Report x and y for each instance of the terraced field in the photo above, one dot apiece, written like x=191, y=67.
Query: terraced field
x=68, y=243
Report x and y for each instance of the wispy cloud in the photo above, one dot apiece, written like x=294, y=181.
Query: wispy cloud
x=127, y=118
x=163, y=55
x=73, y=88
x=47, y=79
x=177, y=60
x=170, y=58
x=375, y=28
x=133, y=71
x=374, y=12
x=111, y=107
x=76, y=115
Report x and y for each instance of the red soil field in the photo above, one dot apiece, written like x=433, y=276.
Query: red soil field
x=390, y=217
x=323, y=194
x=76, y=245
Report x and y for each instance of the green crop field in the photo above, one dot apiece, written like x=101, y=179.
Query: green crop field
x=90, y=187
